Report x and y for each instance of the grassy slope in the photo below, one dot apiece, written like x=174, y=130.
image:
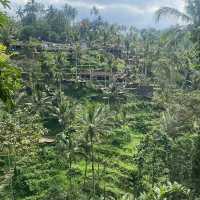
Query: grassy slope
x=36, y=177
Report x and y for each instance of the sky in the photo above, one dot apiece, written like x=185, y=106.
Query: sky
x=139, y=13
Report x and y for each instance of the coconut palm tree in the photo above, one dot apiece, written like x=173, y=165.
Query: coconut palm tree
x=20, y=12
x=94, y=11
x=168, y=11
x=65, y=112
x=5, y=3
x=70, y=12
x=191, y=18
x=95, y=121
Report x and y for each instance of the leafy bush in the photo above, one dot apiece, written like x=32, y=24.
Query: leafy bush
x=169, y=191
x=120, y=136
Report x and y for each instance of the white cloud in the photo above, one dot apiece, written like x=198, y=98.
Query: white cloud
x=82, y=4
x=134, y=9
x=135, y=12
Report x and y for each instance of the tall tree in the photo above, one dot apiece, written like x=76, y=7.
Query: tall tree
x=95, y=122
x=9, y=75
x=31, y=11
x=70, y=12
x=191, y=17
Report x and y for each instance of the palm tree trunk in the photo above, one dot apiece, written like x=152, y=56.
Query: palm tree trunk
x=70, y=162
x=198, y=48
x=93, y=169
x=104, y=192
x=85, y=173
x=98, y=167
x=10, y=171
x=104, y=188
x=153, y=171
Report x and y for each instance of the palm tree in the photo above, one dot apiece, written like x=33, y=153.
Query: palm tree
x=164, y=11
x=95, y=122
x=5, y=3
x=65, y=113
x=191, y=17
x=20, y=12
x=70, y=12
x=94, y=11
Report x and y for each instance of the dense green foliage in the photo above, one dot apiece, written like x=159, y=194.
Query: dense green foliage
x=65, y=135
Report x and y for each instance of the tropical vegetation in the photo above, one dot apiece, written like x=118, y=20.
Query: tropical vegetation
x=93, y=110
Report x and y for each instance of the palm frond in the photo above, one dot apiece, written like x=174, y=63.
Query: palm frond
x=174, y=35
x=168, y=11
x=3, y=19
x=5, y=3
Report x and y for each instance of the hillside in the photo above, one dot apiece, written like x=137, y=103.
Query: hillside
x=91, y=110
